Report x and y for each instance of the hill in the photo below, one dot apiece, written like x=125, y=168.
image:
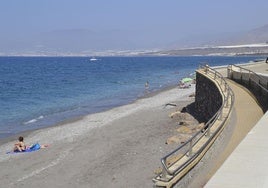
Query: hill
x=258, y=35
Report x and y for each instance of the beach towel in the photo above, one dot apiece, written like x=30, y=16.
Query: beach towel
x=34, y=147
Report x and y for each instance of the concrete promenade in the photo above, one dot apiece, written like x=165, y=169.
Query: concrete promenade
x=247, y=164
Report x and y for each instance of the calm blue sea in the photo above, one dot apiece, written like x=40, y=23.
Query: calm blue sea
x=37, y=92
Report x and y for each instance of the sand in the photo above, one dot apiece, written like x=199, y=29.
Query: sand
x=120, y=147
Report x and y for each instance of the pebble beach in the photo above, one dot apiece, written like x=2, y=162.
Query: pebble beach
x=120, y=147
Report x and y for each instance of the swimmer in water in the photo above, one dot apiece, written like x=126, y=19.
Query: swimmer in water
x=146, y=85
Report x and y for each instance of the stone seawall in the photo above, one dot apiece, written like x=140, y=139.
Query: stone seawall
x=208, y=98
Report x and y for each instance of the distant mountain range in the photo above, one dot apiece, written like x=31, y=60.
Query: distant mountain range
x=258, y=35
x=254, y=42
x=88, y=42
x=66, y=42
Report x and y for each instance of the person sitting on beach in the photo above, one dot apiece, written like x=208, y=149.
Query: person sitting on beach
x=21, y=146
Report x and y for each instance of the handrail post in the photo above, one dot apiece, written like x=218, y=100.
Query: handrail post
x=190, y=152
x=206, y=69
x=227, y=98
x=164, y=172
x=208, y=131
x=220, y=117
x=228, y=71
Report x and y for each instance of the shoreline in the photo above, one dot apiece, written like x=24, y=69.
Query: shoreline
x=34, y=122
x=14, y=136
x=75, y=120
x=146, y=95
x=115, y=144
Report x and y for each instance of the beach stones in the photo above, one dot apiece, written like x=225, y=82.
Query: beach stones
x=174, y=139
x=184, y=129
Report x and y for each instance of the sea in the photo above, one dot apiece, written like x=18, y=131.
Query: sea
x=38, y=92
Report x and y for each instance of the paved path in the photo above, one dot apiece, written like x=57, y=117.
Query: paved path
x=259, y=68
x=248, y=113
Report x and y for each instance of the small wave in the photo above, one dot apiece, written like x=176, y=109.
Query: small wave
x=192, y=74
x=5, y=132
x=33, y=120
x=118, y=82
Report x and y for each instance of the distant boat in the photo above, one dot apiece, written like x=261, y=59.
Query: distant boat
x=93, y=59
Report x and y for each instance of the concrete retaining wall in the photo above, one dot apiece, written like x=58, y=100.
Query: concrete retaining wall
x=250, y=81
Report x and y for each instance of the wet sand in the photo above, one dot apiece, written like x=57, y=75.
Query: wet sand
x=118, y=148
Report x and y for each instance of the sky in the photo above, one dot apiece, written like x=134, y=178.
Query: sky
x=144, y=21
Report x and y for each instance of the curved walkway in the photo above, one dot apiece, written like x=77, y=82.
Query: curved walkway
x=248, y=113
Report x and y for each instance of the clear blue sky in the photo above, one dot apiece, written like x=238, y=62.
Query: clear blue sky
x=165, y=19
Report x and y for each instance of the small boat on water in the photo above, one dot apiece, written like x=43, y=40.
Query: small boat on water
x=93, y=59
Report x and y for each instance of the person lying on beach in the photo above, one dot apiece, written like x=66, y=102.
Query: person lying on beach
x=20, y=146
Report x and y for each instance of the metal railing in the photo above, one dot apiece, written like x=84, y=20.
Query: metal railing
x=254, y=82
x=186, y=149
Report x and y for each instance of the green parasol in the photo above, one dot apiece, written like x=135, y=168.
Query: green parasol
x=185, y=80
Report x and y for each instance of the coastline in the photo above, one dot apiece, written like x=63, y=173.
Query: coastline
x=11, y=138
x=75, y=120
x=115, y=144
x=78, y=118
x=34, y=118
